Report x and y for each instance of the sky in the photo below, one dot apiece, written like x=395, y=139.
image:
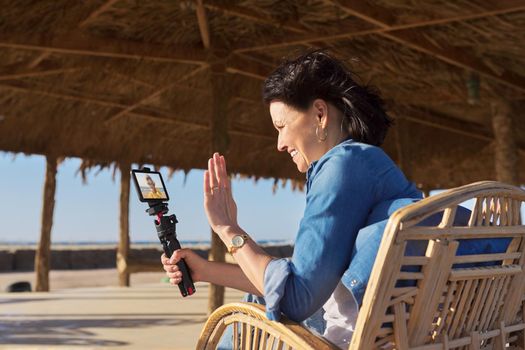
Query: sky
x=90, y=212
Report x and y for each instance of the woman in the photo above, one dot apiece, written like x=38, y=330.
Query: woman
x=331, y=127
x=154, y=192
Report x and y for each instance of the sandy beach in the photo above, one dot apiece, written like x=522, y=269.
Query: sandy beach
x=85, y=309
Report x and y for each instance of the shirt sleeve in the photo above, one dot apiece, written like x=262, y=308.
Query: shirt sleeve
x=340, y=196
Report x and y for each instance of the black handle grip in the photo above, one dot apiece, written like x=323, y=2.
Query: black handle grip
x=186, y=286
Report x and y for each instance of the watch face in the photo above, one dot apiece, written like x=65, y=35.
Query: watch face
x=237, y=241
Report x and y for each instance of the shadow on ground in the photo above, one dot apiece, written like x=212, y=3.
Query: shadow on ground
x=75, y=331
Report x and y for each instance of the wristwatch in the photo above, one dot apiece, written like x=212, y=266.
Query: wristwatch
x=237, y=242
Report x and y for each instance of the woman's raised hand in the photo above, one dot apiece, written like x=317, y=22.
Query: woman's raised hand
x=219, y=205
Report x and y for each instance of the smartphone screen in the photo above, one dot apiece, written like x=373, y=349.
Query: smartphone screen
x=149, y=185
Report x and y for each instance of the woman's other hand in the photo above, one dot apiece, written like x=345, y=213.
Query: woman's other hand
x=219, y=205
x=195, y=263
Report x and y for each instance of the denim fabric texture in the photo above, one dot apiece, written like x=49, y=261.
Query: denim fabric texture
x=350, y=190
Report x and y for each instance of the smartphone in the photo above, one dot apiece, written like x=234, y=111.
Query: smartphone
x=150, y=186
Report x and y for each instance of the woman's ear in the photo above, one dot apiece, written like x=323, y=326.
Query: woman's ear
x=321, y=109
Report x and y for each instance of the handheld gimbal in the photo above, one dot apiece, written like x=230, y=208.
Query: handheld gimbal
x=165, y=225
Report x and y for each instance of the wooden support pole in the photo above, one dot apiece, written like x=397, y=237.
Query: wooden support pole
x=405, y=163
x=506, y=151
x=216, y=292
x=43, y=253
x=219, y=143
x=123, y=246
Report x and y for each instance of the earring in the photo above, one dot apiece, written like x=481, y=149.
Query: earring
x=325, y=134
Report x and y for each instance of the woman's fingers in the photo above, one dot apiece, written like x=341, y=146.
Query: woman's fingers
x=168, y=266
x=206, y=185
x=216, y=175
x=223, y=174
x=171, y=268
x=176, y=256
x=177, y=274
x=212, y=176
x=217, y=170
x=175, y=281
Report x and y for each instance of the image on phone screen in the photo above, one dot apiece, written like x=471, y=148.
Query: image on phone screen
x=150, y=186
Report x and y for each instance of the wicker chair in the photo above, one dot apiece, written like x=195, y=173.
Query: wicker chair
x=448, y=305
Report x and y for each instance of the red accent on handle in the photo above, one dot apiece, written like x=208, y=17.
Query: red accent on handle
x=190, y=291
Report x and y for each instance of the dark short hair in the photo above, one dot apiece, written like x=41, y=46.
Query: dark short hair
x=316, y=74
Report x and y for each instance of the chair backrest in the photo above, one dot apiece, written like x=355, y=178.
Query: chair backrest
x=461, y=290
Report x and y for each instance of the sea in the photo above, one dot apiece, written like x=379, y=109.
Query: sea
x=137, y=244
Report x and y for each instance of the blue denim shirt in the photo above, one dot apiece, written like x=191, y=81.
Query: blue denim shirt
x=352, y=187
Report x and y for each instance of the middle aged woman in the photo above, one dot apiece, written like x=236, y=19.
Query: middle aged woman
x=154, y=192
x=331, y=127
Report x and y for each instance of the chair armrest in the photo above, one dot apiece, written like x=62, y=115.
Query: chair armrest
x=254, y=317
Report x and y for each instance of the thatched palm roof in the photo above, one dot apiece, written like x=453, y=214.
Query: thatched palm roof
x=131, y=81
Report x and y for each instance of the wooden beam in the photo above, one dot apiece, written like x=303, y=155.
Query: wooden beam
x=154, y=94
x=203, y=24
x=93, y=15
x=491, y=8
x=253, y=101
x=78, y=43
x=37, y=73
x=367, y=12
x=253, y=16
x=417, y=41
x=184, y=87
x=168, y=120
x=303, y=39
x=440, y=121
x=429, y=118
x=36, y=61
x=135, y=113
x=259, y=17
x=237, y=64
x=455, y=57
x=75, y=98
x=85, y=45
x=43, y=253
x=104, y=103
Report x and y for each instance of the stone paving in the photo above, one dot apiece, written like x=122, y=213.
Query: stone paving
x=144, y=316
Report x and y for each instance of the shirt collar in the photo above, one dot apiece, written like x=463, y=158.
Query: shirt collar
x=312, y=165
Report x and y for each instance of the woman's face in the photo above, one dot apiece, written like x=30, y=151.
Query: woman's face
x=296, y=134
